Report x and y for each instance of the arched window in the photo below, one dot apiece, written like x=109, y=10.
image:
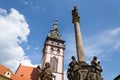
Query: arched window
x=54, y=64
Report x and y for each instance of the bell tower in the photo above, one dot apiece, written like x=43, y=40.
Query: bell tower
x=53, y=52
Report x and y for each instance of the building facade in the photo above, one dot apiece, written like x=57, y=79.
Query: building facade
x=53, y=52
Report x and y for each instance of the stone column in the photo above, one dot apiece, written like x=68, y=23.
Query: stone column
x=79, y=46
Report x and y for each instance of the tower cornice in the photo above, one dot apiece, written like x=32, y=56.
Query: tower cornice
x=57, y=40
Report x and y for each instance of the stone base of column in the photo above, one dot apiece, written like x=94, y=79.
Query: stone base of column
x=83, y=64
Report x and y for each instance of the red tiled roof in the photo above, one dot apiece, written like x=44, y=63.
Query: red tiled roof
x=4, y=69
x=22, y=73
x=30, y=73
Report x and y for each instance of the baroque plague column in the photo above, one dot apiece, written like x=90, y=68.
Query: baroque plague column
x=78, y=36
x=79, y=69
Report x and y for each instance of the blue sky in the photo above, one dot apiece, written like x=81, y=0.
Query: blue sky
x=100, y=27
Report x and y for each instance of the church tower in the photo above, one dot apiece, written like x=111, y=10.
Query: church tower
x=53, y=52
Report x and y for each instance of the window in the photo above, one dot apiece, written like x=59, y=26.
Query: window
x=54, y=64
x=7, y=74
x=51, y=49
x=21, y=75
x=58, y=50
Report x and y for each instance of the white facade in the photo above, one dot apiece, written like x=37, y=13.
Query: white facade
x=53, y=52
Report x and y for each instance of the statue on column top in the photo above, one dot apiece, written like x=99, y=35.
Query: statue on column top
x=75, y=15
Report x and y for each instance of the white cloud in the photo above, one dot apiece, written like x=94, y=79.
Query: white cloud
x=28, y=47
x=103, y=43
x=37, y=48
x=13, y=31
x=34, y=5
x=115, y=31
x=37, y=7
x=25, y=2
x=70, y=46
x=3, y=12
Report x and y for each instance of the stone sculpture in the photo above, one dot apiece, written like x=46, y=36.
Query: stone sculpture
x=77, y=72
x=96, y=66
x=46, y=73
x=40, y=72
x=73, y=70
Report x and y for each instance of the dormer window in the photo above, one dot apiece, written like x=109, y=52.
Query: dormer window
x=8, y=74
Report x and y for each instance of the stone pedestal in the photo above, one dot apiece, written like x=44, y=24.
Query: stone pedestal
x=85, y=73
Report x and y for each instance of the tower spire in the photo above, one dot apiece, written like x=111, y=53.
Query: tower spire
x=54, y=32
x=56, y=22
x=78, y=36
